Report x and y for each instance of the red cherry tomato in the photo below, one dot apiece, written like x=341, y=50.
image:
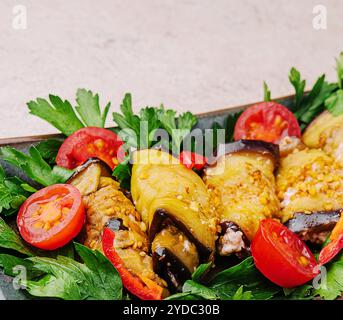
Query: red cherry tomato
x=267, y=121
x=281, y=256
x=192, y=160
x=88, y=143
x=51, y=217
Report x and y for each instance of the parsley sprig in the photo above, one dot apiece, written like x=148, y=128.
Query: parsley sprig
x=34, y=166
x=13, y=192
x=136, y=135
x=322, y=96
x=61, y=114
x=139, y=131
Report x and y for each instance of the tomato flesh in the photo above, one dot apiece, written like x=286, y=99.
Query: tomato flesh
x=281, y=256
x=88, y=143
x=267, y=121
x=51, y=217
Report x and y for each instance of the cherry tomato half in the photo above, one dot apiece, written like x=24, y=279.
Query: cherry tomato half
x=192, y=160
x=88, y=143
x=281, y=256
x=51, y=217
x=267, y=121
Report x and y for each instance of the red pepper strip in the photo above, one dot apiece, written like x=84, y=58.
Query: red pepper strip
x=331, y=250
x=192, y=160
x=335, y=245
x=337, y=230
x=130, y=281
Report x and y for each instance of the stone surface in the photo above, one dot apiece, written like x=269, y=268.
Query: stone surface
x=193, y=54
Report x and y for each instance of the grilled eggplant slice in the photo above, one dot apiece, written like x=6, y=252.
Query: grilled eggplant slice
x=175, y=257
x=243, y=185
x=255, y=147
x=326, y=132
x=314, y=227
x=86, y=177
x=166, y=194
x=310, y=182
x=106, y=205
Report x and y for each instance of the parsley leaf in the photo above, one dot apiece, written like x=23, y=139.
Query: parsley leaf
x=178, y=128
x=200, y=271
x=128, y=120
x=35, y=166
x=298, y=84
x=184, y=296
x=57, y=112
x=266, y=91
x=304, y=292
x=242, y=295
x=89, y=109
x=228, y=126
x=9, y=239
x=13, y=192
x=65, y=278
x=333, y=286
x=199, y=290
x=122, y=173
x=138, y=131
x=229, y=284
x=245, y=274
x=62, y=115
x=9, y=263
x=49, y=149
x=335, y=103
x=313, y=103
x=339, y=63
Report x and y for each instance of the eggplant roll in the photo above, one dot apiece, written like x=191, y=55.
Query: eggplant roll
x=105, y=205
x=310, y=182
x=326, y=132
x=175, y=205
x=243, y=183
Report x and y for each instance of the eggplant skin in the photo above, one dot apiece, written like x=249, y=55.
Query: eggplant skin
x=170, y=268
x=314, y=227
x=162, y=219
x=105, y=167
x=86, y=177
x=250, y=146
x=175, y=257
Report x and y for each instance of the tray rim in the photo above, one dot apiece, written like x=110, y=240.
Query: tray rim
x=219, y=112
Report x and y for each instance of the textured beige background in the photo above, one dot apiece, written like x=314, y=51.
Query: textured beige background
x=193, y=54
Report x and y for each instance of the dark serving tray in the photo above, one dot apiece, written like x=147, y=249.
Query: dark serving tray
x=205, y=121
